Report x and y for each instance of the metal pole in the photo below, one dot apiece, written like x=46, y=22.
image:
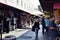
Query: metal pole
x=1, y=32
x=1, y=36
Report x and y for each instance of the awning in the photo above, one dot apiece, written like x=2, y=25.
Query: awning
x=37, y=13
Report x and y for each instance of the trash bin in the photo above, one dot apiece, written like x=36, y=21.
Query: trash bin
x=11, y=37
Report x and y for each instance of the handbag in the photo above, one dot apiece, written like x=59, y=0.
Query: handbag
x=33, y=28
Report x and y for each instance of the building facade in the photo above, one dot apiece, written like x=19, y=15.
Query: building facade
x=21, y=10
x=25, y=5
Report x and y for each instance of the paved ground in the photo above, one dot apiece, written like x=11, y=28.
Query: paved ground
x=27, y=34
x=16, y=33
x=31, y=36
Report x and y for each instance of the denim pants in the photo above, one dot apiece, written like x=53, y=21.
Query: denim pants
x=52, y=38
x=36, y=33
x=53, y=35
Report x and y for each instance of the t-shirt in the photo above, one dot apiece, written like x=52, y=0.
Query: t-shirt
x=47, y=21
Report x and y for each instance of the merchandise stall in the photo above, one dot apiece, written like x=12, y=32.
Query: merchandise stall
x=57, y=12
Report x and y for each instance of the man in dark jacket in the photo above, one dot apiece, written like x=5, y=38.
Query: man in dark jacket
x=52, y=29
x=43, y=24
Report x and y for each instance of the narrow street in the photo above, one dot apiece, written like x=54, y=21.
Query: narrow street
x=31, y=36
x=17, y=18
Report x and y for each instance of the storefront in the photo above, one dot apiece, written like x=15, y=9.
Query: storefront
x=5, y=18
x=7, y=13
x=57, y=11
x=22, y=16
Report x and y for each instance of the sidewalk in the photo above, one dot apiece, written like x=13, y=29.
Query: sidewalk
x=16, y=33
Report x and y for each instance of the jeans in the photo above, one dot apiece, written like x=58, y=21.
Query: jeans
x=47, y=30
x=36, y=33
x=53, y=34
x=52, y=38
x=43, y=27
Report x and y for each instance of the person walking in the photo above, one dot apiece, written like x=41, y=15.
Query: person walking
x=43, y=24
x=36, y=28
x=47, y=21
x=52, y=29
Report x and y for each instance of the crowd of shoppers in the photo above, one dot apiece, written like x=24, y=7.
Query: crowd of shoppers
x=52, y=29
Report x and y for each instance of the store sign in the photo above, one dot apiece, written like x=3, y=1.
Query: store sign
x=57, y=6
